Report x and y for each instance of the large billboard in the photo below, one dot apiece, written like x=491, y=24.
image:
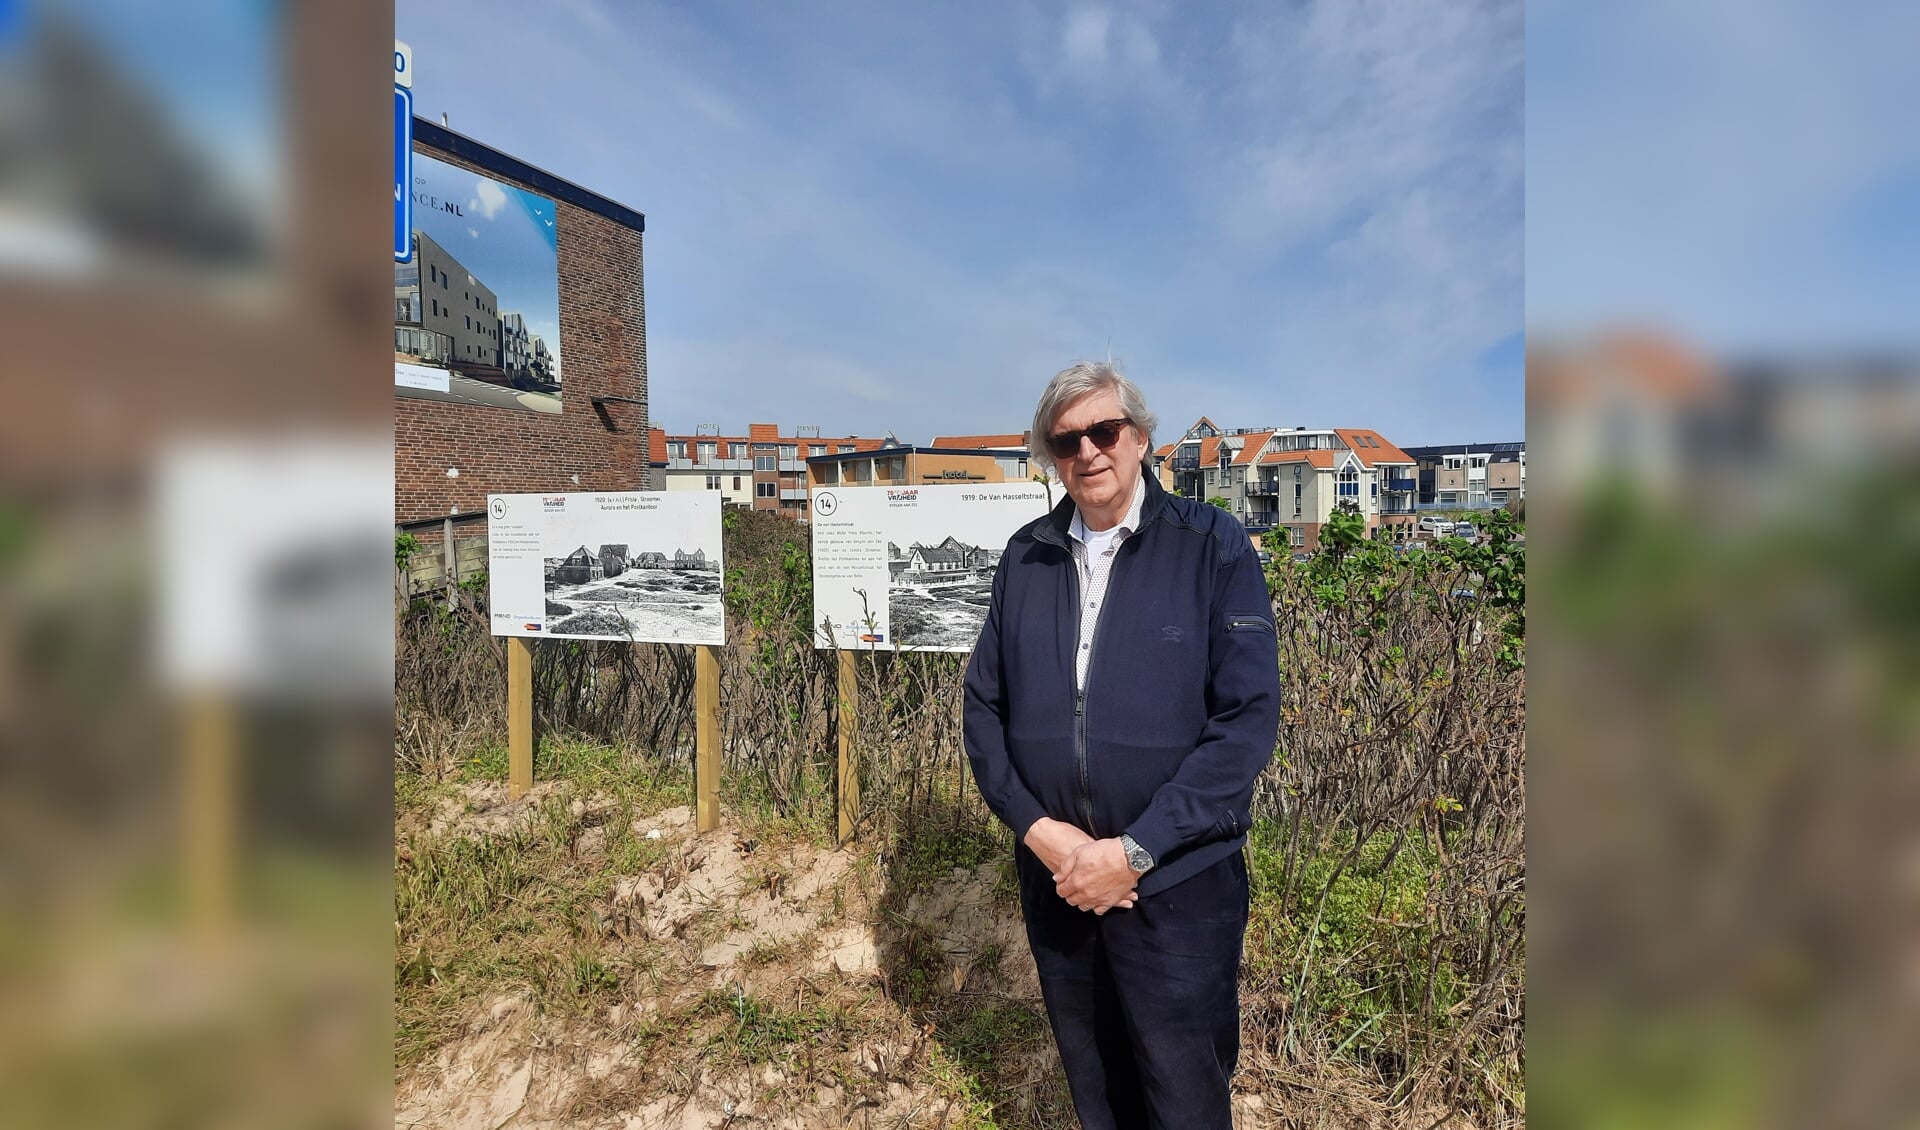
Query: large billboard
x=912, y=567
x=477, y=304
x=633, y=566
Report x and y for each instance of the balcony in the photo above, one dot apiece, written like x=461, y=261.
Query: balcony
x=793, y=496
x=1401, y=485
x=1257, y=488
x=1186, y=462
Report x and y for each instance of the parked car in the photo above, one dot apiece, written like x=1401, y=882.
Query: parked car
x=1465, y=530
x=1438, y=527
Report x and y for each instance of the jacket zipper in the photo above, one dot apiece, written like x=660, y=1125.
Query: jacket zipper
x=1080, y=704
x=1080, y=692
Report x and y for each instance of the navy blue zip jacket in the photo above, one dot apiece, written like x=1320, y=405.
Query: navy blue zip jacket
x=1182, y=701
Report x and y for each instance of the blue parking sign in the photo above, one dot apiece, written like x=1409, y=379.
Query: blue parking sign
x=402, y=174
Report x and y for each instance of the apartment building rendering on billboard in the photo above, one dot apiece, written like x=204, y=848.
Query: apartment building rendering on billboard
x=435, y=322
x=762, y=470
x=1291, y=479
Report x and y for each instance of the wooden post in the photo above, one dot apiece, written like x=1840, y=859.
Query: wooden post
x=448, y=558
x=706, y=755
x=849, y=759
x=210, y=813
x=519, y=717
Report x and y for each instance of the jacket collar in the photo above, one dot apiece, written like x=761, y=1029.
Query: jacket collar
x=1054, y=529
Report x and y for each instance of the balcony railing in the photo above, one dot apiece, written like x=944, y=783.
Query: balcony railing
x=1186, y=462
x=1256, y=488
x=682, y=463
x=1481, y=504
x=1401, y=484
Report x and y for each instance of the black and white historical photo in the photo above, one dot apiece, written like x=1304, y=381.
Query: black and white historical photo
x=937, y=594
x=615, y=591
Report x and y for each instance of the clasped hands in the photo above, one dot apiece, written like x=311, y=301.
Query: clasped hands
x=1090, y=874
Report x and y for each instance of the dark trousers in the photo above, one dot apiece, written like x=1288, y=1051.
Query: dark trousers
x=1145, y=1003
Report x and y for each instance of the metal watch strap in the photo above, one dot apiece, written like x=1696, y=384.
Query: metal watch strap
x=1138, y=857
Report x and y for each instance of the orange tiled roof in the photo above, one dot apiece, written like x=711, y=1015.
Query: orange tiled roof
x=1209, y=449
x=1250, y=450
x=1320, y=459
x=764, y=433
x=1010, y=439
x=1370, y=453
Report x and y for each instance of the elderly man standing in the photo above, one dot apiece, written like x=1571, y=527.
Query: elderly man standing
x=1122, y=700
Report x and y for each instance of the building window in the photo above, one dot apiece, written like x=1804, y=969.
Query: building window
x=737, y=450
x=1299, y=535
x=789, y=451
x=1349, y=486
x=817, y=449
x=676, y=449
x=736, y=482
x=765, y=463
x=829, y=474
x=706, y=450
x=766, y=490
x=846, y=449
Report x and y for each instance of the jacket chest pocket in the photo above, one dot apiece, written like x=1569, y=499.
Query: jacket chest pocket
x=1249, y=624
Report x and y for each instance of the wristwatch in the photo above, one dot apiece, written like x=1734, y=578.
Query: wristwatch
x=1138, y=857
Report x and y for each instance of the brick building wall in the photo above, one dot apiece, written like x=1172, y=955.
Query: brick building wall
x=603, y=346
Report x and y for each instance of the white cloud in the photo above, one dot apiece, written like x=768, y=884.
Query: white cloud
x=1083, y=38
x=474, y=232
x=490, y=198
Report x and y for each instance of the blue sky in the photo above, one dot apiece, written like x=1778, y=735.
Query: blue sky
x=880, y=217
x=502, y=235
x=1753, y=185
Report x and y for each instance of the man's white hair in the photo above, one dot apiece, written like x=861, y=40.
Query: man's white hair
x=1078, y=380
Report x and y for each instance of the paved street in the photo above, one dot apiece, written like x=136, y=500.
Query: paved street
x=466, y=390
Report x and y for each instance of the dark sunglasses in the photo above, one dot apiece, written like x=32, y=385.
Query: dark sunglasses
x=1104, y=434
